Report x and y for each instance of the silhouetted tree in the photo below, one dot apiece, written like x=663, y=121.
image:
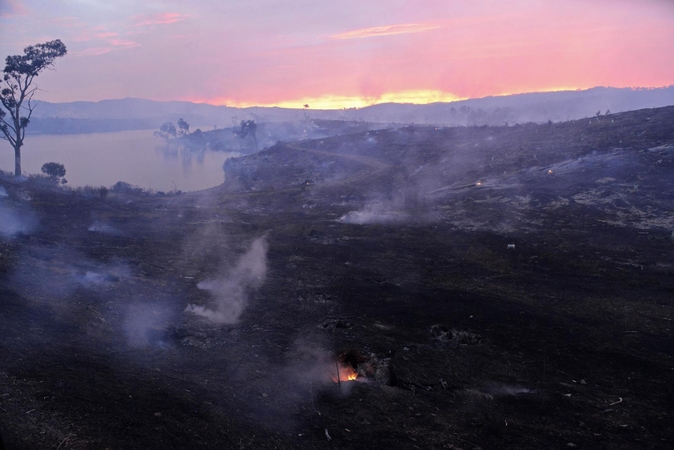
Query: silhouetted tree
x=183, y=127
x=248, y=128
x=197, y=139
x=166, y=131
x=18, y=90
x=55, y=171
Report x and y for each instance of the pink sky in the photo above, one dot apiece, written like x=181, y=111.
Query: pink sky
x=341, y=54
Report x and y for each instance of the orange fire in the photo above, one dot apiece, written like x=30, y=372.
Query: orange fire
x=346, y=373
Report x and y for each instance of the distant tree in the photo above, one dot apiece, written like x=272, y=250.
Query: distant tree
x=608, y=112
x=166, y=131
x=248, y=128
x=183, y=127
x=55, y=171
x=17, y=91
x=598, y=113
x=306, y=106
x=197, y=139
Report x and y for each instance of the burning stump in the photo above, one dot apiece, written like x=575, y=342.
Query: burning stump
x=360, y=366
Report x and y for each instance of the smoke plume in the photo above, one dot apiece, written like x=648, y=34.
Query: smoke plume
x=100, y=227
x=12, y=222
x=375, y=212
x=144, y=325
x=230, y=291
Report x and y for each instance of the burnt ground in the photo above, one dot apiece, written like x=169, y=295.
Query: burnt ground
x=388, y=251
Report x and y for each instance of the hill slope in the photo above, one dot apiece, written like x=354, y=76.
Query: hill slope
x=133, y=113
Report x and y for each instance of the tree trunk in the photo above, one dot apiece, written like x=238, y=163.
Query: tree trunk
x=17, y=161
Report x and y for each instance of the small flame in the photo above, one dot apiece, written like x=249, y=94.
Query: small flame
x=479, y=183
x=549, y=171
x=346, y=373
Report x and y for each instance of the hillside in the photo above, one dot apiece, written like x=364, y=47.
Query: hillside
x=410, y=287
x=114, y=115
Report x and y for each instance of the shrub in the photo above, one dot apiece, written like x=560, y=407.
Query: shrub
x=123, y=187
x=55, y=172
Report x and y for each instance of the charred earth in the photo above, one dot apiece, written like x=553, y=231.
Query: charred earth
x=418, y=287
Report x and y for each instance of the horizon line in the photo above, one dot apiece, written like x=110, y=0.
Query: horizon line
x=375, y=103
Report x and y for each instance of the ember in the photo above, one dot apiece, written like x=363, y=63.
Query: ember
x=346, y=373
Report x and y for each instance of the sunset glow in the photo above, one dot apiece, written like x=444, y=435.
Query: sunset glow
x=341, y=101
x=386, y=31
x=342, y=54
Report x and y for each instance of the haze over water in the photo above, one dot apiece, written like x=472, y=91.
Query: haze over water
x=136, y=157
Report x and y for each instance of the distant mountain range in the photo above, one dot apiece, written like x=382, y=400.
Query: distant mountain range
x=134, y=113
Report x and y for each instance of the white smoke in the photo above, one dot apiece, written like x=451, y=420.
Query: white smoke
x=145, y=325
x=230, y=292
x=100, y=227
x=98, y=274
x=12, y=222
x=376, y=212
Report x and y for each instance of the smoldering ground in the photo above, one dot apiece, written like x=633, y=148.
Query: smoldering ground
x=100, y=227
x=13, y=221
x=268, y=371
x=145, y=324
x=55, y=273
x=378, y=212
x=276, y=390
x=16, y=215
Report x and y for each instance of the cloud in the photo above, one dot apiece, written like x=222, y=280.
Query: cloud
x=93, y=51
x=65, y=21
x=159, y=19
x=9, y=8
x=113, y=44
x=87, y=36
x=123, y=43
x=387, y=30
x=106, y=35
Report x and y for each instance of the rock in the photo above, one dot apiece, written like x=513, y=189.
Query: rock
x=383, y=373
x=315, y=234
x=331, y=323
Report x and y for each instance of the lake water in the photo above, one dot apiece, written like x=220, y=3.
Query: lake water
x=102, y=159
